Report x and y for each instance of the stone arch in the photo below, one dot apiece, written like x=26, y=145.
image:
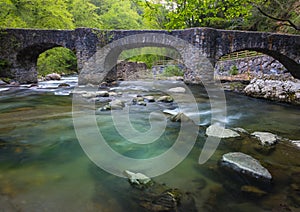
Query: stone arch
x=26, y=61
x=105, y=59
x=290, y=64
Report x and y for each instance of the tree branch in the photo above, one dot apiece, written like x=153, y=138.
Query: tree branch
x=291, y=24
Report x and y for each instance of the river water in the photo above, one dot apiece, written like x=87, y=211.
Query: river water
x=44, y=168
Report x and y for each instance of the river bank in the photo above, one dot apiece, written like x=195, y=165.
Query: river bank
x=276, y=87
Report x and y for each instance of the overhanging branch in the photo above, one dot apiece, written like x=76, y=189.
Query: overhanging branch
x=290, y=23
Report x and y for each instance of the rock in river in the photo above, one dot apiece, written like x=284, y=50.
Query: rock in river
x=136, y=178
x=245, y=164
x=180, y=117
x=265, y=138
x=220, y=132
x=177, y=90
x=165, y=99
x=53, y=76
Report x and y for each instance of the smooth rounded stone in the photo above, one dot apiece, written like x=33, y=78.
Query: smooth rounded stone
x=53, y=76
x=102, y=94
x=116, y=104
x=177, y=90
x=246, y=164
x=149, y=98
x=165, y=99
x=136, y=178
x=220, y=132
x=180, y=117
x=265, y=138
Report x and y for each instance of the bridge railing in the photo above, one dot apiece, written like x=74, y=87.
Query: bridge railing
x=240, y=55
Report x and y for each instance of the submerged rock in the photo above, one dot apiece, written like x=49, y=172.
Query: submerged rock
x=245, y=164
x=252, y=190
x=265, y=138
x=220, y=132
x=159, y=197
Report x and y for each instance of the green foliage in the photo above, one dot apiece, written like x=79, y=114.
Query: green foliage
x=172, y=70
x=3, y=64
x=280, y=9
x=209, y=13
x=84, y=14
x=58, y=60
x=148, y=59
x=120, y=15
x=234, y=70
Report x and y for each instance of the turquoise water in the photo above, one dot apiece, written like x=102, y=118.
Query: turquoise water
x=43, y=167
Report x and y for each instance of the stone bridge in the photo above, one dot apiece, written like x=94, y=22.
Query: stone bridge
x=20, y=48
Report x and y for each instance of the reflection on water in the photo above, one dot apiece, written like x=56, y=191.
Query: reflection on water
x=43, y=168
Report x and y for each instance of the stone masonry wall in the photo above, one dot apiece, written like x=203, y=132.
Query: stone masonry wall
x=255, y=65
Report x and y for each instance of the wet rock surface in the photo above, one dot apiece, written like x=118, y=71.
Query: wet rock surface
x=220, y=132
x=159, y=197
x=265, y=138
x=245, y=164
x=283, y=89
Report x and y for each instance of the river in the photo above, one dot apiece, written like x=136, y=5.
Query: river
x=44, y=168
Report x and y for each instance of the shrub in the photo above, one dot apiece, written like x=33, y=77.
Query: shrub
x=234, y=70
x=172, y=70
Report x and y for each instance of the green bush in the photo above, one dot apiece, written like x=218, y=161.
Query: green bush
x=57, y=60
x=172, y=70
x=234, y=70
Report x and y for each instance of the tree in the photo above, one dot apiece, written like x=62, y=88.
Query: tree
x=43, y=14
x=154, y=15
x=208, y=13
x=9, y=16
x=84, y=14
x=277, y=16
x=120, y=15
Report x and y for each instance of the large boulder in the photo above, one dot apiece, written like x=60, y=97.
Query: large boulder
x=245, y=164
x=265, y=138
x=220, y=132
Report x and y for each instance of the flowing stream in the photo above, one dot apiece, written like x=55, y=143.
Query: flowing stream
x=43, y=167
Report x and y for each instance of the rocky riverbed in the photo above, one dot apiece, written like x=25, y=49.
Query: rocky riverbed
x=280, y=88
